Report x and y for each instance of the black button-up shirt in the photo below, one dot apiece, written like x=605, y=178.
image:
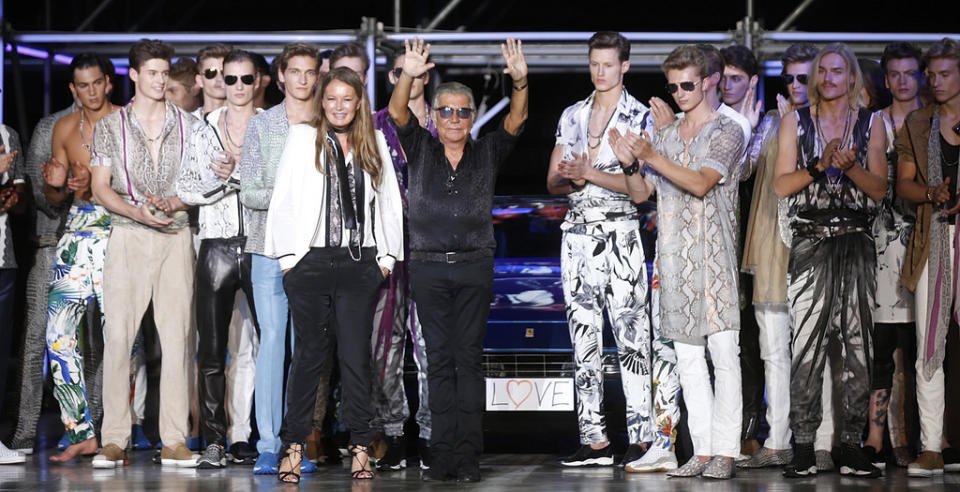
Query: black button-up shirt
x=450, y=210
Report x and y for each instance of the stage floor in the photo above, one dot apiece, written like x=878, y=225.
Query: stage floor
x=500, y=471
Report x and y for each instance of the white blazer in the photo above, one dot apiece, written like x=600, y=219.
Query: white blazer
x=297, y=214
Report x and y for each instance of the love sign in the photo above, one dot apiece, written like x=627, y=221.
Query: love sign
x=530, y=394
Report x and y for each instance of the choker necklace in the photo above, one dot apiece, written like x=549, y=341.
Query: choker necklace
x=341, y=130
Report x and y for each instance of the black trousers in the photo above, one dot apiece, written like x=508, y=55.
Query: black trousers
x=751, y=365
x=328, y=290
x=453, y=301
x=222, y=269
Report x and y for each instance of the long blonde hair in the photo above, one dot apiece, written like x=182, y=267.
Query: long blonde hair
x=854, y=90
x=362, y=136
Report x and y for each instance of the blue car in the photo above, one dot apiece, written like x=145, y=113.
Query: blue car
x=527, y=334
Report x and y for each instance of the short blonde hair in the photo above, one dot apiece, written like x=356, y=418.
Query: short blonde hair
x=854, y=91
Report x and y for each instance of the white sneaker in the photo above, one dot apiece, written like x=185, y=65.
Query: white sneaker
x=659, y=458
x=9, y=457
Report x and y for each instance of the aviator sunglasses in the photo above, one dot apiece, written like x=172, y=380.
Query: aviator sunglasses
x=686, y=86
x=211, y=73
x=447, y=112
x=232, y=79
x=788, y=78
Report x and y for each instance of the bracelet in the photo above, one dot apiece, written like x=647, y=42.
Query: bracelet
x=929, y=197
x=577, y=187
x=631, y=169
x=814, y=172
x=522, y=87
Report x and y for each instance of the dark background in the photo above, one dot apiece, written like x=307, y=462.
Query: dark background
x=525, y=172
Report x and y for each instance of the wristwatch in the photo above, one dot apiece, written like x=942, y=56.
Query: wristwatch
x=814, y=172
x=631, y=169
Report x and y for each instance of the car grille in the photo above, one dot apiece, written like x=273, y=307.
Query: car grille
x=520, y=365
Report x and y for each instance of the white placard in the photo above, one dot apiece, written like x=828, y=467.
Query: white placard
x=530, y=394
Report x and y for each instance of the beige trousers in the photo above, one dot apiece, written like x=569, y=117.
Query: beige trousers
x=141, y=266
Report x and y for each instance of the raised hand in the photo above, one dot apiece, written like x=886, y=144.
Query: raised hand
x=6, y=158
x=783, y=105
x=513, y=57
x=415, y=59
x=662, y=113
x=54, y=173
x=751, y=107
x=827, y=158
x=573, y=169
x=642, y=147
x=941, y=193
x=620, y=146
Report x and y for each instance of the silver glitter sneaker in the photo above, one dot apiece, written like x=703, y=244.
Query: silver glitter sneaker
x=692, y=468
x=720, y=467
x=765, y=458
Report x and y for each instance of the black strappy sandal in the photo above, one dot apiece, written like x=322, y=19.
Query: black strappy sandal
x=365, y=472
x=291, y=450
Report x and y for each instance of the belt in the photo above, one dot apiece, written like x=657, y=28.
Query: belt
x=450, y=256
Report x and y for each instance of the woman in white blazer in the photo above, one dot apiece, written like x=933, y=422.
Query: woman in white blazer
x=335, y=224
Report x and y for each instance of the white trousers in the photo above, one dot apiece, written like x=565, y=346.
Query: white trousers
x=930, y=392
x=774, y=323
x=824, y=438
x=242, y=347
x=714, y=414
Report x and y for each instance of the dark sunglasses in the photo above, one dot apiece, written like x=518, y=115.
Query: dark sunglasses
x=232, y=79
x=447, y=112
x=211, y=73
x=397, y=72
x=686, y=86
x=788, y=78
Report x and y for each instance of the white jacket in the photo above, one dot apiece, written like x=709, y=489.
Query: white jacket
x=297, y=208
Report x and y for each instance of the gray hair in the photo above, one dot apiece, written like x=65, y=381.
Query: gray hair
x=454, y=88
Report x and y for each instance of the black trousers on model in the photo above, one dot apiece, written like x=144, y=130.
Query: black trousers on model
x=453, y=301
x=328, y=290
x=222, y=270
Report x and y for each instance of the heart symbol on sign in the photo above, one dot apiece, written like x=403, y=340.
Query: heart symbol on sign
x=518, y=384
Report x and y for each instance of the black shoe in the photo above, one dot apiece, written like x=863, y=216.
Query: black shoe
x=587, y=456
x=423, y=449
x=469, y=475
x=157, y=457
x=878, y=458
x=634, y=452
x=435, y=475
x=242, y=454
x=396, y=456
x=853, y=461
x=804, y=462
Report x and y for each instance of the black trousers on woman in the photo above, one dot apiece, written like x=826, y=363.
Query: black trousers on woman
x=328, y=290
x=222, y=270
x=453, y=301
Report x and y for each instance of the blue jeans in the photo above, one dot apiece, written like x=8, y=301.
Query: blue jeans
x=275, y=325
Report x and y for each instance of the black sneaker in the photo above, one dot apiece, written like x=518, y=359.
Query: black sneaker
x=468, y=474
x=853, y=461
x=634, y=452
x=436, y=475
x=241, y=453
x=396, y=456
x=951, y=459
x=804, y=462
x=423, y=449
x=214, y=456
x=875, y=457
x=587, y=456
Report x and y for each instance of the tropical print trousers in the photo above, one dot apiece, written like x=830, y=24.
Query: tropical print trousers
x=77, y=279
x=603, y=269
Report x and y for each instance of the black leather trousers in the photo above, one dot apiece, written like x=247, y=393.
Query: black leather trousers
x=222, y=269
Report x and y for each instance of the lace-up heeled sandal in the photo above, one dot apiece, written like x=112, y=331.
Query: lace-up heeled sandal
x=365, y=472
x=293, y=454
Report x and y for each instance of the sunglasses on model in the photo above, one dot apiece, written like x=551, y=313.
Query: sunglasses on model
x=788, y=78
x=447, y=112
x=232, y=79
x=397, y=72
x=686, y=86
x=211, y=73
